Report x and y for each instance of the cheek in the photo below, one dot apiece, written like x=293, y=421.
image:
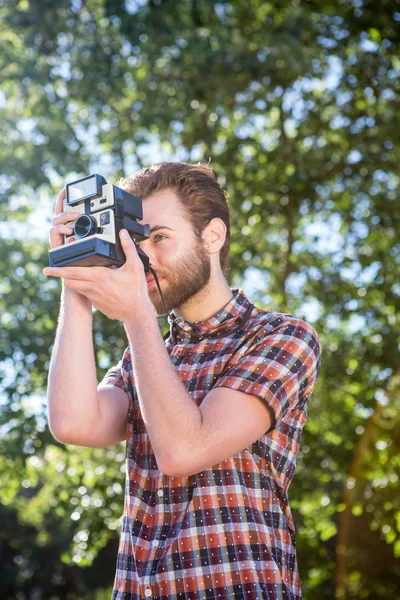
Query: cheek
x=167, y=253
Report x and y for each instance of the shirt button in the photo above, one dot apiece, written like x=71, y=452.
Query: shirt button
x=155, y=543
x=147, y=592
x=160, y=493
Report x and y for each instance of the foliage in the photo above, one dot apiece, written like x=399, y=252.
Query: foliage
x=296, y=104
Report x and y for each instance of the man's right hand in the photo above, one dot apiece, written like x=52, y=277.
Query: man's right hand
x=59, y=228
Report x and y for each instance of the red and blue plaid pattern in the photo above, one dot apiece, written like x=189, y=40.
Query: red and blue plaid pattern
x=227, y=532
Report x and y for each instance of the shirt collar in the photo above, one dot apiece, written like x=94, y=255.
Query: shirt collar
x=227, y=318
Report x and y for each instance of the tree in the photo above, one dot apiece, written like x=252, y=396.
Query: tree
x=297, y=107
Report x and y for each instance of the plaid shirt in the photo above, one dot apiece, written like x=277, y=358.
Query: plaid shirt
x=226, y=532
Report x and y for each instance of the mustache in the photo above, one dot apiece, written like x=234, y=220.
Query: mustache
x=151, y=274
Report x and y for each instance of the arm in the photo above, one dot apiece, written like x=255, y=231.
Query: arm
x=79, y=413
x=177, y=428
x=231, y=421
x=283, y=362
x=187, y=439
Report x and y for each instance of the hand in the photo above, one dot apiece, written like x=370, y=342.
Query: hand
x=59, y=228
x=118, y=293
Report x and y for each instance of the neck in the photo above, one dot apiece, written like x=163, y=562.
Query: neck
x=208, y=302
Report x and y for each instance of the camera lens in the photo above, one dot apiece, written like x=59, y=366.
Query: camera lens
x=85, y=225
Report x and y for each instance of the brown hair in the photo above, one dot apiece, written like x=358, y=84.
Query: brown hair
x=201, y=196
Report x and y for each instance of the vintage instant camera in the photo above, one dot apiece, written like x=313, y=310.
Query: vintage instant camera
x=105, y=210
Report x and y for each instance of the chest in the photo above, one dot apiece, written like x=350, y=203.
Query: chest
x=199, y=366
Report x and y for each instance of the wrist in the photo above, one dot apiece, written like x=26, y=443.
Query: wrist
x=140, y=317
x=72, y=296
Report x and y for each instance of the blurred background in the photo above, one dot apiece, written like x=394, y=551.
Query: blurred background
x=296, y=106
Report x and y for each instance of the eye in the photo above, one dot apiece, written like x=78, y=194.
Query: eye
x=154, y=238
x=159, y=235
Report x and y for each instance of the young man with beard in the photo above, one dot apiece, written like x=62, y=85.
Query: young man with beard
x=212, y=416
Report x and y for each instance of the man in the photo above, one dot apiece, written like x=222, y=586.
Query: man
x=213, y=416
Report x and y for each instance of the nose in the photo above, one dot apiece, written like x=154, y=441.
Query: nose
x=146, y=248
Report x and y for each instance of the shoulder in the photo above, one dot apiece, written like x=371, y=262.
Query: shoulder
x=266, y=325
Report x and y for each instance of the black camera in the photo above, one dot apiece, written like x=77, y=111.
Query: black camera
x=105, y=210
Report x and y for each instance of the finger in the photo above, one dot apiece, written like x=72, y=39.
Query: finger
x=59, y=230
x=128, y=246
x=60, y=201
x=82, y=287
x=64, y=217
x=76, y=273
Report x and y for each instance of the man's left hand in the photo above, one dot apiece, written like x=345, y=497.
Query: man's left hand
x=118, y=293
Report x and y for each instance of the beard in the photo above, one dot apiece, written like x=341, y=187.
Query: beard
x=187, y=281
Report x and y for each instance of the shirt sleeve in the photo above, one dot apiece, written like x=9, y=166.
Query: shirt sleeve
x=121, y=375
x=280, y=366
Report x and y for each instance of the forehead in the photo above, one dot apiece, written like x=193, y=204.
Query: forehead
x=163, y=208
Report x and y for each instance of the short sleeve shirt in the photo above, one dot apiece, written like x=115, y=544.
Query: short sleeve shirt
x=226, y=532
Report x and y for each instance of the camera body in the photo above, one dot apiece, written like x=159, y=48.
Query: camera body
x=105, y=210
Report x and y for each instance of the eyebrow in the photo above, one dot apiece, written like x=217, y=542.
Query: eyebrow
x=157, y=227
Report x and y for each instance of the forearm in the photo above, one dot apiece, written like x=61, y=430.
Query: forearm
x=172, y=419
x=73, y=404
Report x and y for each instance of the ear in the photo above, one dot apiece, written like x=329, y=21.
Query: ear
x=214, y=235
